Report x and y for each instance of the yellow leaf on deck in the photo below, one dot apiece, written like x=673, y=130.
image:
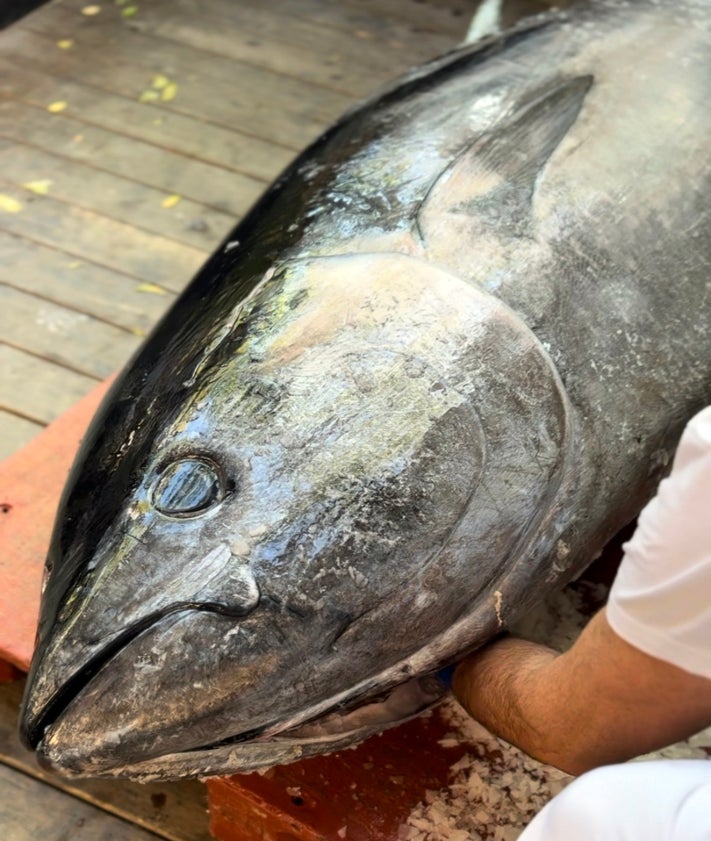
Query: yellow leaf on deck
x=160, y=81
x=148, y=96
x=65, y=44
x=129, y=11
x=40, y=187
x=9, y=204
x=56, y=107
x=137, y=331
x=169, y=92
x=170, y=201
x=91, y=10
x=151, y=289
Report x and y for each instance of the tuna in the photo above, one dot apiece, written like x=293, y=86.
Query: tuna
x=442, y=361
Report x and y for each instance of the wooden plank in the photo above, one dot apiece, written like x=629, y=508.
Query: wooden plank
x=81, y=285
x=92, y=236
x=362, y=23
x=175, y=811
x=212, y=144
x=36, y=389
x=57, y=818
x=70, y=338
x=16, y=431
x=131, y=44
x=351, y=21
x=427, y=17
x=329, y=58
x=297, y=49
x=135, y=159
x=354, y=58
x=269, y=107
x=115, y=197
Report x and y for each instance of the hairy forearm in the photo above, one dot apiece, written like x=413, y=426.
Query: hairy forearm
x=602, y=701
x=503, y=687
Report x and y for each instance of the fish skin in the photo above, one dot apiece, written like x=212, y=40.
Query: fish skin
x=438, y=366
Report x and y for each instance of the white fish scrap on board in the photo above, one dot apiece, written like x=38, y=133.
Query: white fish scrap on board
x=495, y=789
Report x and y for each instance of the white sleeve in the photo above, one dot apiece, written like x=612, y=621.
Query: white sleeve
x=665, y=800
x=660, y=601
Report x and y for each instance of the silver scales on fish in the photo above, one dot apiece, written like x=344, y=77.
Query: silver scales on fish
x=442, y=361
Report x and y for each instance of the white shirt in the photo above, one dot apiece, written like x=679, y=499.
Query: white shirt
x=666, y=800
x=660, y=601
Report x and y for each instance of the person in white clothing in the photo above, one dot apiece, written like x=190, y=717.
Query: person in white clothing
x=665, y=800
x=637, y=679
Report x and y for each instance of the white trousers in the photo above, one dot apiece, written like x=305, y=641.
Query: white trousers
x=664, y=800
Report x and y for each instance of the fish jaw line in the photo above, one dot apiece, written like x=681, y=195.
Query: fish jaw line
x=330, y=731
x=40, y=719
x=293, y=738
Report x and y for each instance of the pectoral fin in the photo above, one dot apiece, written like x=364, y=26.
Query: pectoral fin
x=493, y=180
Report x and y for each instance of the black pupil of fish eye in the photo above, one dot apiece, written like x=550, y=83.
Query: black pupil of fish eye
x=188, y=487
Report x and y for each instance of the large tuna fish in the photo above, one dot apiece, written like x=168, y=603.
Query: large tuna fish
x=443, y=360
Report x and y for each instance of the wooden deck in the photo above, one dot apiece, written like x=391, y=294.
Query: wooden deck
x=131, y=140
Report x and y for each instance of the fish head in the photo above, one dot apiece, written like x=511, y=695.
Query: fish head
x=289, y=516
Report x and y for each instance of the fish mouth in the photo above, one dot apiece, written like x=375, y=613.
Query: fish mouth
x=36, y=722
x=343, y=725
x=54, y=729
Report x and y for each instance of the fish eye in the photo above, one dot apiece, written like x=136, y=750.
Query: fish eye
x=188, y=487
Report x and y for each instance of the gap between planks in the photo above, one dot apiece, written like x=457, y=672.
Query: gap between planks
x=296, y=50
x=127, y=117
x=49, y=272
x=67, y=144
x=193, y=101
x=118, y=245
x=17, y=431
x=112, y=197
x=40, y=390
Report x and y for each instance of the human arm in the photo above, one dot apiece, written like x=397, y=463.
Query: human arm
x=639, y=675
x=602, y=701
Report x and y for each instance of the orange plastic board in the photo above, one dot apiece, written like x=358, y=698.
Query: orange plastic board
x=362, y=794
x=31, y=482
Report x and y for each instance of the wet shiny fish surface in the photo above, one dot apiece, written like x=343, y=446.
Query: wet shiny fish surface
x=442, y=361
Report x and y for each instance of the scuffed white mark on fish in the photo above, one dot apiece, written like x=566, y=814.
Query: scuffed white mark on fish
x=498, y=603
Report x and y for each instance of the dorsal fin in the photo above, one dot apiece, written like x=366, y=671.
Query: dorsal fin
x=494, y=178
